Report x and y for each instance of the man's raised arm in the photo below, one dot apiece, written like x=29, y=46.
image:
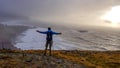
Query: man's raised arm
x=41, y=32
x=56, y=33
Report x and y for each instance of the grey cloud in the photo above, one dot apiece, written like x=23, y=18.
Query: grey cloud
x=57, y=10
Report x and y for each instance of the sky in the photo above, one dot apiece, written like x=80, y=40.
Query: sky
x=78, y=12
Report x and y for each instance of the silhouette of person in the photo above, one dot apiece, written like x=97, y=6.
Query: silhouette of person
x=49, y=38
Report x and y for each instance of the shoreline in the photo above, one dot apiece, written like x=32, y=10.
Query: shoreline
x=31, y=40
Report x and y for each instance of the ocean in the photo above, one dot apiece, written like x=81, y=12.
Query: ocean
x=80, y=38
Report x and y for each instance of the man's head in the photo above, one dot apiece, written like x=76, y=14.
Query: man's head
x=49, y=28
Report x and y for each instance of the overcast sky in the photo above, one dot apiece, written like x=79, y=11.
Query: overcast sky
x=68, y=11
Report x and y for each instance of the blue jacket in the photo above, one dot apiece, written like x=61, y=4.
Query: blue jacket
x=49, y=34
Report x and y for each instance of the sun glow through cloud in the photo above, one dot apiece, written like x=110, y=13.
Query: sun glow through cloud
x=113, y=16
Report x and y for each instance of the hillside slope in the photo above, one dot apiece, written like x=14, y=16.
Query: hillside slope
x=8, y=35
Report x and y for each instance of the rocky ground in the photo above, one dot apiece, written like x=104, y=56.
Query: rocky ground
x=28, y=60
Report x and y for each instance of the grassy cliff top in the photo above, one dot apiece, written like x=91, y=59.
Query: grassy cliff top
x=59, y=59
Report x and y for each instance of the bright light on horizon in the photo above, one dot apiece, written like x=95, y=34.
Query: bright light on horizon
x=113, y=16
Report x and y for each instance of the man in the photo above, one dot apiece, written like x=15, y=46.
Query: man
x=49, y=38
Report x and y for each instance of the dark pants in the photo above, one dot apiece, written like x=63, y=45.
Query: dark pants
x=48, y=43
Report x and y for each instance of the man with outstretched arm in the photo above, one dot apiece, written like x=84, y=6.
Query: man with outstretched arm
x=49, y=38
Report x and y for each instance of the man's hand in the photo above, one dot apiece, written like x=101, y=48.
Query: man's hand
x=60, y=33
x=37, y=31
